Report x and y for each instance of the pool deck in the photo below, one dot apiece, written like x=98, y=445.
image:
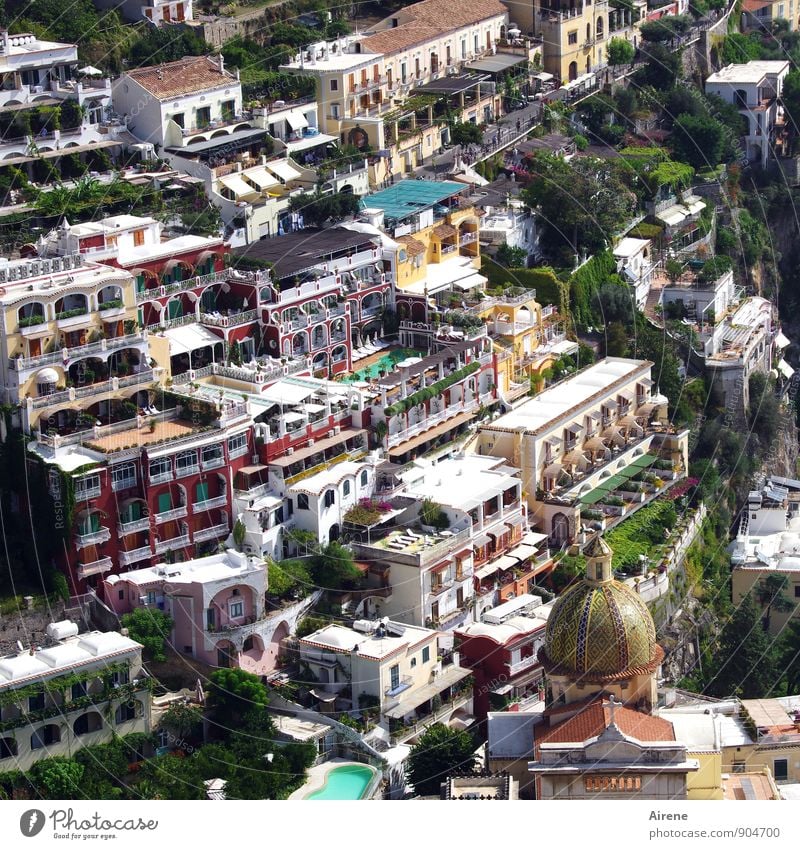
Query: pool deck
x=318, y=774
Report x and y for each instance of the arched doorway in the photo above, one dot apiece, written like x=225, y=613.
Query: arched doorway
x=274, y=648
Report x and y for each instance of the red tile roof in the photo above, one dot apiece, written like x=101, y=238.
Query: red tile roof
x=186, y=76
x=593, y=719
x=431, y=19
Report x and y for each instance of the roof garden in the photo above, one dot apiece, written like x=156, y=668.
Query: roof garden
x=409, y=197
x=610, y=484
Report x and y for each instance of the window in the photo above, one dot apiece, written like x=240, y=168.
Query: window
x=475, y=43
x=79, y=690
x=403, y=72
x=612, y=783
x=413, y=662
x=179, y=120
x=36, y=702
x=212, y=455
x=125, y=713
x=237, y=609
x=572, y=37
x=302, y=501
x=797, y=590
x=330, y=497
x=426, y=654
x=463, y=48
x=364, y=478
x=151, y=597
x=160, y=468
x=780, y=769
x=203, y=116
x=88, y=487
x=138, y=238
x=8, y=748
x=119, y=678
x=121, y=594
x=334, y=110
x=394, y=674
x=346, y=488
x=237, y=445
x=186, y=462
x=123, y=476
x=334, y=85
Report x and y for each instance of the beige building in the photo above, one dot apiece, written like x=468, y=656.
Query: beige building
x=82, y=690
x=384, y=665
x=578, y=442
x=378, y=88
x=71, y=346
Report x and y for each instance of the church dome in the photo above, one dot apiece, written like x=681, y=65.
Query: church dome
x=600, y=631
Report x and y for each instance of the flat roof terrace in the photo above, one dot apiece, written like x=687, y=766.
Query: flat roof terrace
x=409, y=197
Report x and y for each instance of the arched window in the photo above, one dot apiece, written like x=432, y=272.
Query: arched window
x=346, y=488
x=364, y=477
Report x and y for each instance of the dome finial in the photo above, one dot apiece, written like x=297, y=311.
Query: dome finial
x=598, y=561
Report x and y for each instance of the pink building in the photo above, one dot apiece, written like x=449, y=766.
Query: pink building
x=218, y=605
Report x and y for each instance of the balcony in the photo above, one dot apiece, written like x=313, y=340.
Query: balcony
x=214, y=532
x=169, y=515
x=213, y=463
x=403, y=684
x=165, y=545
x=135, y=526
x=97, y=537
x=367, y=85
x=96, y=567
x=63, y=355
x=210, y=503
x=118, y=484
x=162, y=477
x=88, y=492
x=186, y=471
x=229, y=320
x=522, y=665
x=135, y=555
x=70, y=321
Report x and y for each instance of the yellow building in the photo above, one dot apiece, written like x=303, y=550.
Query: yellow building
x=72, y=350
x=533, y=335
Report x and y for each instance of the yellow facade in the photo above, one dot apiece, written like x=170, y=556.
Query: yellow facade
x=706, y=783
x=71, y=342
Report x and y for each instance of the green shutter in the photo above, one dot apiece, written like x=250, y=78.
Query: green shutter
x=201, y=492
x=164, y=502
x=175, y=309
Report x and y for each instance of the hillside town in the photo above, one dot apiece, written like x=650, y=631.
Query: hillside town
x=399, y=400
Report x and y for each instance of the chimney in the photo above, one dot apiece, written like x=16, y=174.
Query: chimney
x=221, y=64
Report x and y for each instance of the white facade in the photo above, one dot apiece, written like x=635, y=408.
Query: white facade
x=635, y=265
x=755, y=89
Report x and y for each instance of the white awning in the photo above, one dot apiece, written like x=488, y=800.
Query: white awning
x=287, y=393
x=190, y=337
x=694, y=204
x=296, y=120
x=283, y=170
x=506, y=562
x=486, y=571
x=261, y=177
x=781, y=341
x=235, y=184
x=672, y=215
x=471, y=282
x=307, y=142
x=785, y=369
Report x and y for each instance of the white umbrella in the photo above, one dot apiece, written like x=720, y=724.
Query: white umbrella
x=90, y=71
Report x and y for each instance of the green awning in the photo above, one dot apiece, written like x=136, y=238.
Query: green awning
x=631, y=470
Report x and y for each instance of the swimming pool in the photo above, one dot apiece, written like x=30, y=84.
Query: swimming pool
x=345, y=782
x=386, y=363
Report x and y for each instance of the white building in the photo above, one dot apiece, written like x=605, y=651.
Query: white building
x=635, y=265
x=178, y=104
x=154, y=11
x=35, y=72
x=755, y=90
x=107, y=696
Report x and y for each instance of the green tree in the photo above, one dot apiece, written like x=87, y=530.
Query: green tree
x=170, y=776
x=511, y=257
x=239, y=534
x=465, y=133
x=234, y=693
x=439, y=752
x=745, y=664
x=791, y=102
x=289, y=578
x=332, y=567
x=789, y=654
x=182, y=721
x=57, y=778
x=661, y=68
x=620, y=51
x=769, y=594
x=764, y=412
x=151, y=628
x=698, y=140
x=674, y=269
x=432, y=514
x=616, y=340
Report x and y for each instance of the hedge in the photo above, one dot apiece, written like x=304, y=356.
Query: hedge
x=584, y=285
x=549, y=289
x=422, y=395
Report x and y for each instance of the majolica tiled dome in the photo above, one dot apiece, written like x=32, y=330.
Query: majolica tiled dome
x=600, y=630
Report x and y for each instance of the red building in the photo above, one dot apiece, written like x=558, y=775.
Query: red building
x=502, y=653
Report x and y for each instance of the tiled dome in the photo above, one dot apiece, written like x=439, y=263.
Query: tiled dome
x=600, y=631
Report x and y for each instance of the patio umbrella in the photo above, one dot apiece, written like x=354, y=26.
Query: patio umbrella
x=90, y=71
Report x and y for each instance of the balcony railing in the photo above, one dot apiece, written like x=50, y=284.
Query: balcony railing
x=213, y=463
x=88, y=492
x=185, y=471
x=126, y=558
x=169, y=515
x=162, y=477
x=229, y=320
x=403, y=684
x=133, y=527
x=97, y=537
x=96, y=567
x=64, y=354
x=181, y=286
x=521, y=665
x=214, y=532
x=430, y=421
x=171, y=544
x=210, y=503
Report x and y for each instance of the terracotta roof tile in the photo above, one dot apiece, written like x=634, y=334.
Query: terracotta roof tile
x=593, y=719
x=186, y=76
x=413, y=246
x=431, y=19
x=444, y=231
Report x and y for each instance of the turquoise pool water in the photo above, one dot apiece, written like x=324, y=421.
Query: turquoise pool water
x=345, y=782
x=386, y=363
